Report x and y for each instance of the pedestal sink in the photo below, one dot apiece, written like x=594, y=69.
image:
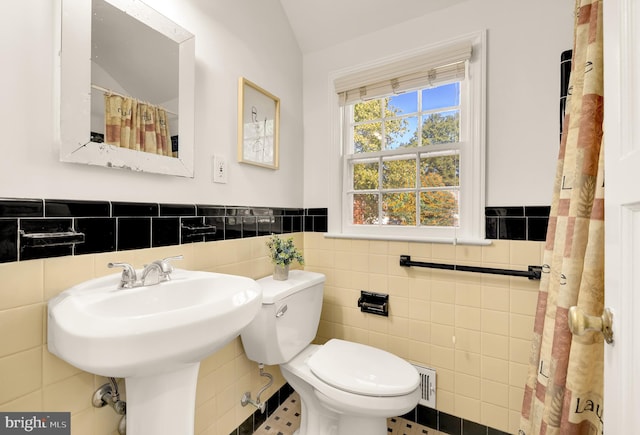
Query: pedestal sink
x=153, y=336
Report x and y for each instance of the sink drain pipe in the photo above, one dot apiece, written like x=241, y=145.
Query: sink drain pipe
x=108, y=394
x=246, y=397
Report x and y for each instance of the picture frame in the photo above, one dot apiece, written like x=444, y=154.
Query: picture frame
x=258, y=125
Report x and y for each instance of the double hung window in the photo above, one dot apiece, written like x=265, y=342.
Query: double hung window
x=412, y=158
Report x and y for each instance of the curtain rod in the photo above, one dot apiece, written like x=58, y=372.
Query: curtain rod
x=109, y=91
x=533, y=273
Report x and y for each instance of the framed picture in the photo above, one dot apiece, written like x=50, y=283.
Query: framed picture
x=258, y=125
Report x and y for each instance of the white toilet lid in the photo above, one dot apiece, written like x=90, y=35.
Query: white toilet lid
x=362, y=369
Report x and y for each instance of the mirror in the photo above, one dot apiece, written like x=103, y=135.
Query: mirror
x=123, y=48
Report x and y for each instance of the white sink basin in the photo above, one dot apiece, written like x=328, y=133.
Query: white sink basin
x=149, y=330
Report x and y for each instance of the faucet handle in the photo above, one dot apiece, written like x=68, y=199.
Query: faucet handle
x=166, y=266
x=129, y=277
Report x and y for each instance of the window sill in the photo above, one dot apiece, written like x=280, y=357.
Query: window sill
x=395, y=238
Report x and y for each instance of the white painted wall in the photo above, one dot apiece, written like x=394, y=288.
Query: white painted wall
x=233, y=39
x=253, y=39
x=525, y=40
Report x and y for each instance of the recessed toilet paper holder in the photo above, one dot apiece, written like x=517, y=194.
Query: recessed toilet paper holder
x=374, y=303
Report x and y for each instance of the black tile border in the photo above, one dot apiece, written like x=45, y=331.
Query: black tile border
x=119, y=225
x=111, y=226
x=517, y=223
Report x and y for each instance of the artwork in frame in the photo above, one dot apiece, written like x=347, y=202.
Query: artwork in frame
x=258, y=125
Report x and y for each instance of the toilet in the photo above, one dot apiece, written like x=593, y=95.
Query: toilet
x=345, y=388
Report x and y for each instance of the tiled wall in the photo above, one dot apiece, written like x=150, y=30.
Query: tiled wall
x=34, y=380
x=474, y=329
x=120, y=226
x=517, y=223
x=480, y=375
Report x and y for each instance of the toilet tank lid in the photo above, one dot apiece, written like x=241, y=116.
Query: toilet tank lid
x=274, y=291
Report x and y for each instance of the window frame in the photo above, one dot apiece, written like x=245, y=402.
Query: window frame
x=471, y=147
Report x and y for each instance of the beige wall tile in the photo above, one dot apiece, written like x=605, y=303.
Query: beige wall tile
x=514, y=421
x=498, y=252
x=420, y=331
x=495, y=322
x=518, y=374
x=31, y=401
x=495, y=346
x=419, y=310
x=521, y=326
x=22, y=283
x=398, y=286
x=467, y=408
x=400, y=347
x=495, y=298
x=494, y=369
x=25, y=324
x=523, y=302
x=467, y=317
x=443, y=291
x=446, y=402
x=396, y=249
x=419, y=289
x=467, y=362
x=420, y=353
x=442, y=335
x=399, y=327
x=442, y=251
x=378, y=283
x=20, y=374
x=519, y=350
x=54, y=369
x=442, y=357
x=71, y=394
x=359, y=246
x=443, y=313
x=495, y=393
x=468, y=253
x=468, y=386
x=379, y=247
x=494, y=416
x=420, y=251
x=468, y=340
x=445, y=380
x=515, y=398
x=469, y=295
x=525, y=253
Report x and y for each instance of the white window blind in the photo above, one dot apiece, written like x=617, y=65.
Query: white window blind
x=435, y=67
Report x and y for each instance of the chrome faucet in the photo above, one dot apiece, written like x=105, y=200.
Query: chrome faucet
x=129, y=277
x=162, y=269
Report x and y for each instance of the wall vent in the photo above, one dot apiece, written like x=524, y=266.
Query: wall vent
x=427, y=386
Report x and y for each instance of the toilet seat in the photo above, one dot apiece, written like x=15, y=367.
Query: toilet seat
x=360, y=369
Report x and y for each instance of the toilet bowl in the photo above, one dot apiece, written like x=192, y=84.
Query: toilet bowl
x=345, y=388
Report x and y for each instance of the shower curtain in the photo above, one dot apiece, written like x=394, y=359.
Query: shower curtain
x=564, y=388
x=136, y=125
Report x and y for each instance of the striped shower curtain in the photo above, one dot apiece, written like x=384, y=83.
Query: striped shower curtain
x=564, y=389
x=136, y=125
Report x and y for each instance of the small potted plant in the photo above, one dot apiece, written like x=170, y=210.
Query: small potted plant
x=282, y=253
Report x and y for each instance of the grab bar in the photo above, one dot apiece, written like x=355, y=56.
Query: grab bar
x=533, y=272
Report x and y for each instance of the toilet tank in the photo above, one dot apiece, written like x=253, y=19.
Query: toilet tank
x=288, y=320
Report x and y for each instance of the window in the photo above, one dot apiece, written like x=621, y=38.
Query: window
x=413, y=147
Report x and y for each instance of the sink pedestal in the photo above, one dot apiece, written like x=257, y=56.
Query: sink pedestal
x=162, y=404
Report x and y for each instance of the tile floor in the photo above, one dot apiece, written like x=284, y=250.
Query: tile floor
x=286, y=419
